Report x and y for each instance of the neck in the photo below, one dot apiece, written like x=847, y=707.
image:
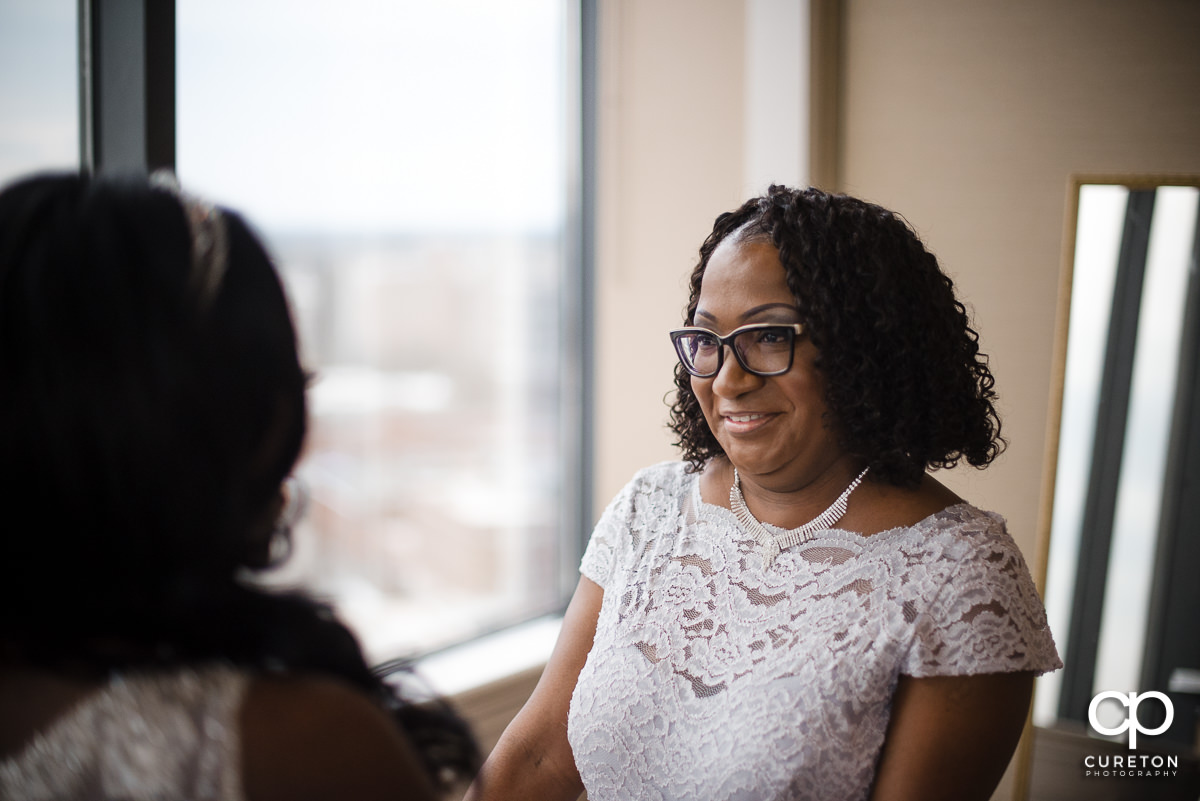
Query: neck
x=792, y=502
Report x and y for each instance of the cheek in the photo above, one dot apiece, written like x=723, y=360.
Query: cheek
x=808, y=394
x=805, y=381
x=702, y=389
x=808, y=397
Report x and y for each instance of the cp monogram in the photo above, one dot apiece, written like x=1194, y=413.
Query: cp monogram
x=1130, y=701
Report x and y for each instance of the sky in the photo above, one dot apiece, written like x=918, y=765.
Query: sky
x=369, y=116
x=360, y=116
x=39, y=99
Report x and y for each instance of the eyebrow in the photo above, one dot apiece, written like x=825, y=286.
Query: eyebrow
x=750, y=312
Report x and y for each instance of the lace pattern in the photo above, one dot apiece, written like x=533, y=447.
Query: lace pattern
x=711, y=677
x=142, y=738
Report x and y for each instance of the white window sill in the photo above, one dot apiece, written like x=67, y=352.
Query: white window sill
x=491, y=658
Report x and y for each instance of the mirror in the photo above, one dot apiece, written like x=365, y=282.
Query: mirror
x=1120, y=533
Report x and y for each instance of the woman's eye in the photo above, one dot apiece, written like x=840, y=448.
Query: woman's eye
x=771, y=336
x=705, y=342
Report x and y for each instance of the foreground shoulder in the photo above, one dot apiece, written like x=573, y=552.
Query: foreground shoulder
x=316, y=738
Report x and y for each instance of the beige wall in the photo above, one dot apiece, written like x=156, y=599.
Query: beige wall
x=670, y=160
x=969, y=118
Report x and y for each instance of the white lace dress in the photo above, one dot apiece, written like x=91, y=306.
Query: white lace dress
x=712, y=678
x=155, y=737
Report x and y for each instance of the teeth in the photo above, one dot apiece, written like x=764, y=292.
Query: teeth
x=743, y=418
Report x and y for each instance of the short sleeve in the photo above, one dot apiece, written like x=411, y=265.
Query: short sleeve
x=987, y=617
x=601, y=554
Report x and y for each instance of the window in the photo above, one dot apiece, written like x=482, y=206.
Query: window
x=1121, y=591
x=416, y=170
x=39, y=88
x=408, y=164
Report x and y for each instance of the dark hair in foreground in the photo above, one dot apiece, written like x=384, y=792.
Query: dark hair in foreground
x=906, y=385
x=144, y=435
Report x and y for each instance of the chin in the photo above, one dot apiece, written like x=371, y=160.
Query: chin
x=750, y=462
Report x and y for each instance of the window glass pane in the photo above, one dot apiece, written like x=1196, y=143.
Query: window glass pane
x=1147, y=440
x=1146, y=445
x=1097, y=248
x=39, y=87
x=406, y=162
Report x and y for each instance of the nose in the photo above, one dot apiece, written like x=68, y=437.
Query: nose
x=731, y=381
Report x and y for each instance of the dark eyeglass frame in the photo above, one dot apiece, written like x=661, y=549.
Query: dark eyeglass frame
x=793, y=330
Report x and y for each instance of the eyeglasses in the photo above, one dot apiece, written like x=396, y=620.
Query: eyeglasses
x=762, y=349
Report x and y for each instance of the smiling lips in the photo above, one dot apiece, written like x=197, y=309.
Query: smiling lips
x=745, y=422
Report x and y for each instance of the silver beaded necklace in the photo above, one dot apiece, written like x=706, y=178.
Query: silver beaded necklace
x=772, y=543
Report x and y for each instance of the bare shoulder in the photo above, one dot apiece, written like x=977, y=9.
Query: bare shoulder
x=314, y=738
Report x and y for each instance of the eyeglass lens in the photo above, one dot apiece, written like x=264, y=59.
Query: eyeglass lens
x=762, y=350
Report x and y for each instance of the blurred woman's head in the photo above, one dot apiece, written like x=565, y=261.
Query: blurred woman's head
x=905, y=386
x=151, y=398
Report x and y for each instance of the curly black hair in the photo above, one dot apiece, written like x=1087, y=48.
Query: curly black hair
x=906, y=385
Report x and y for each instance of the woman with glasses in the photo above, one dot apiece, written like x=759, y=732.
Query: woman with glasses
x=152, y=406
x=797, y=609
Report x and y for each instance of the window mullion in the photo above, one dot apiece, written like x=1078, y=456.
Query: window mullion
x=127, y=85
